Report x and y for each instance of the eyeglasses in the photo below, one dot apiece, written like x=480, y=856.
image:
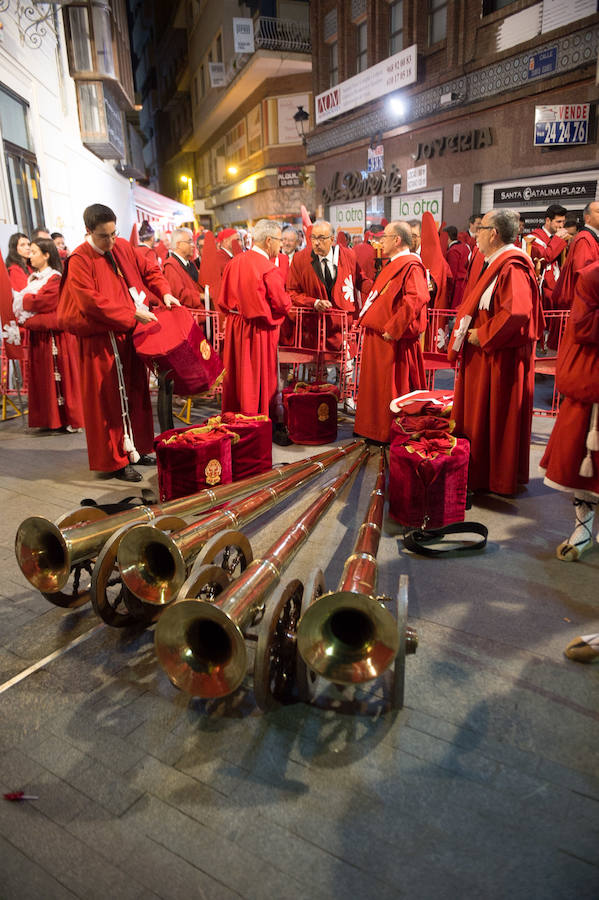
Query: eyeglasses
x=105, y=237
x=321, y=238
x=185, y=242
x=486, y=228
x=275, y=238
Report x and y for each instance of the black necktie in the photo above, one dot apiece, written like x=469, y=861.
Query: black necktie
x=328, y=278
x=484, y=269
x=192, y=271
x=111, y=261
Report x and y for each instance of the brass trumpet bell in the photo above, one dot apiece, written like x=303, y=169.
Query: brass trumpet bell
x=46, y=555
x=348, y=637
x=42, y=554
x=201, y=649
x=151, y=565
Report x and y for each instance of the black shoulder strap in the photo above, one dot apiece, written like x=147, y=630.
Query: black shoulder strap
x=417, y=540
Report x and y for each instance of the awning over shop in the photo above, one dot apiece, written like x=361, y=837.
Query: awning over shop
x=160, y=211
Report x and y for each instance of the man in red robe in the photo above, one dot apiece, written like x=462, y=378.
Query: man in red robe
x=255, y=301
x=180, y=272
x=548, y=244
x=366, y=256
x=224, y=240
x=393, y=318
x=458, y=257
x=497, y=324
x=583, y=251
x=469, y=237
x=103, y=295
x=326, y=276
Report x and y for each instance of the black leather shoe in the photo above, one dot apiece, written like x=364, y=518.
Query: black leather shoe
x=127, y=473
x=146, y=460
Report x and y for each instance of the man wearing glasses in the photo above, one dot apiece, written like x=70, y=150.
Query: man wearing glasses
x=393, y=317
x=104, y=293
x=326, y=276
x=496, y=329
x=180, y=272
x=255, y=301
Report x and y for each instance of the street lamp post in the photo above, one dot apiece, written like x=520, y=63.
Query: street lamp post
x=300, y=118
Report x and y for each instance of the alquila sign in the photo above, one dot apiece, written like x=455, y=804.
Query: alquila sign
x=354, y=185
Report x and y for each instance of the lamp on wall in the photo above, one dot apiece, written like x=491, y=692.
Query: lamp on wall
x=187, y=180
x=300, y=118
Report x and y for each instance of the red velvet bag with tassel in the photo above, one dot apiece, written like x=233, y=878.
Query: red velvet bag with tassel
x=252, y=453
x=311, y=413
x=190, y=459
x=428, y=478
x=177, y=344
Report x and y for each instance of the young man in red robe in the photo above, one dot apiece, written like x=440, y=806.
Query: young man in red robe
x=497, y=325
x=469, y=237
x=103, y=296
x=548, y=243
x=583, y=251
x=255, y=302
x=393, y=317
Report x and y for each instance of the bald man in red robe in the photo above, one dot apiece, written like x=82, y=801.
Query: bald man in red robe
x=101, y=296
x=255, y=301
x=307, y=283
x=497, y=326
x=393, y=317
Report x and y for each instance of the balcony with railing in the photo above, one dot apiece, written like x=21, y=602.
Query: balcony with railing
x=282, y=34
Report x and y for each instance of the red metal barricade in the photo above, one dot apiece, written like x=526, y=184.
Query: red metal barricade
x=555, y=324
x=14, y=381
x=320, y=340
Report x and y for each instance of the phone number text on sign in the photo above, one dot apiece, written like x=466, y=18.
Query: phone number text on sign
x=565, y=124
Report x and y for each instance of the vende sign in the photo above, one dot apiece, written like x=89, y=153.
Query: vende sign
x=387, y=76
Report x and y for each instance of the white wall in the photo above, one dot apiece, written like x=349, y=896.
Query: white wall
x=71, y=176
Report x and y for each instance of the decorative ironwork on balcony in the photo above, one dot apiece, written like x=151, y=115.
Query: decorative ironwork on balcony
x=282, y=34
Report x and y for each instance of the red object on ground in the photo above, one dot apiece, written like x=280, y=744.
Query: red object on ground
x=252, y=453
x=192, y=462
x=311, y=413
x=428, y=480
x=176, y=343
x=16, y=796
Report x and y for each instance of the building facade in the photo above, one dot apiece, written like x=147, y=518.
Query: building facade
x=455, y=106
x=233, y=78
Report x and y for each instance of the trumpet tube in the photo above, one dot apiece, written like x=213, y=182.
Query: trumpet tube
x=200, y=645
x=154, y=565
x=46, y=553
x=348, y=636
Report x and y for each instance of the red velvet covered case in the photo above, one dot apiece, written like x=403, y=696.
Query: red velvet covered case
x=428, y=485
x=252, y=453
x=177, y=344
x=311, y=413
x=187, y=466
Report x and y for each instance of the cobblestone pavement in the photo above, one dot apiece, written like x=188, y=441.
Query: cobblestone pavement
x=484, y=785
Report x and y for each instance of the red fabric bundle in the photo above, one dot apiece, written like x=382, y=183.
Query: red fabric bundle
x=176, y=343
x=428, y=477
x=416, y=403
x=311, y=413
x=190, y=459
x=415, y=425
x=252, y=453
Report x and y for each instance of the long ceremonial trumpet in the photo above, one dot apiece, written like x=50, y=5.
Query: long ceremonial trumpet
x=46, y=552
x=201, y=645
x=154, y=565
x=348, y=636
